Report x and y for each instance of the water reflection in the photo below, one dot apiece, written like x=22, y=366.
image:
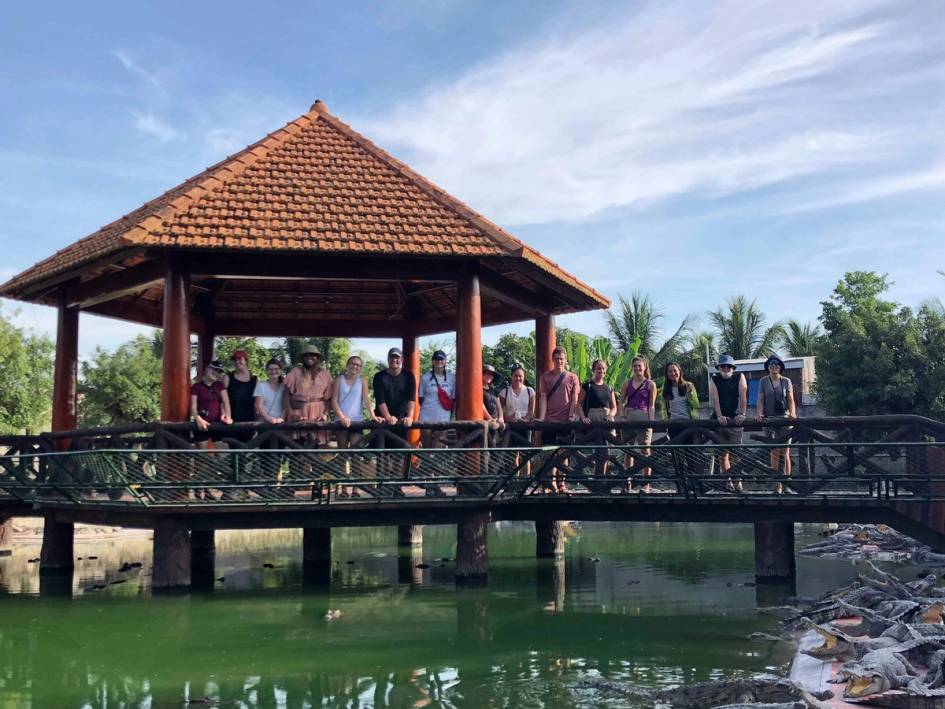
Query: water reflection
x=619, y=607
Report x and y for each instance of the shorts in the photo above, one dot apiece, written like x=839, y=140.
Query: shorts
x=780, y=431
x=556, y=438
x=636, y=436
x=731, y=435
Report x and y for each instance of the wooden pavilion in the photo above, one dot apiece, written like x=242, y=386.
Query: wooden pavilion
x=312, y=231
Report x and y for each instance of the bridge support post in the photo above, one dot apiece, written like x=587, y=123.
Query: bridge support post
x=316, y=547
x=203, y=553
x=56, y=556
x=409, y=535
x=549, y=539
x=6, y=536
x=408, y=566
x=550, y=584
x=774, y=551
x=472, y=549
x=171, y=563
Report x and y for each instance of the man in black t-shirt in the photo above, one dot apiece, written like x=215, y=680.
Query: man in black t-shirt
x=395, y=393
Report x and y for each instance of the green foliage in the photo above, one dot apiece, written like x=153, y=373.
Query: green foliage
x=583, y=350
x=26, y=367
x=801, y=340
x=878, y=357
x=431, y=346
x=334, y=351
x=509, y=350
x=257, y=353
x=638, y=320
x=741, y=330
x=123, y=386
x=697, y=358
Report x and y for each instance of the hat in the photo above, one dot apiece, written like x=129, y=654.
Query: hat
x=217, y=365
x=774, y=359
x=310, y=349
x=394, y=352
x=239, y=353
x=726, y=359
x=439, y=354
x=489, y=368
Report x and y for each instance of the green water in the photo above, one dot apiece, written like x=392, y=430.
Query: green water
x=653, y=605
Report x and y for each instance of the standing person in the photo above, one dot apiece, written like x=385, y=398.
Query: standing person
x=558, y=403
x=349, y=402
x=776, y=403
x=241, y=388
x=517, y=399
x=491, y=406
x=679, y=400
x=267, y=396
x=728, y=395
x=394, y=392
x=209, y=404
x=638, y=402
x=598, y=402
x=307, y=391
x=437, y=396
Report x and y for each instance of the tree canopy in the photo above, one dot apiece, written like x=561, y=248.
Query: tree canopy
x=26, y=369
x=123, y=386
x=742, y=331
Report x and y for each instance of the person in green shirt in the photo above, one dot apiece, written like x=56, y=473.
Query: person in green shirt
x=678, y=398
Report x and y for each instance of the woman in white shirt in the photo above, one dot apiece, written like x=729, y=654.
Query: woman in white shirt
x=437, y=391
x=518, y=400
x=268, y=394
x=349, y=401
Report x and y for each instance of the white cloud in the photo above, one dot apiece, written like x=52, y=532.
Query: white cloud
x=154, y=126
x=670, y=101
x=131, y=65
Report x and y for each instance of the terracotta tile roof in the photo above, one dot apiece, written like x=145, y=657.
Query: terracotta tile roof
x=313, y=185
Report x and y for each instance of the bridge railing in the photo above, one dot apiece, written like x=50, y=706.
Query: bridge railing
x=157, y=465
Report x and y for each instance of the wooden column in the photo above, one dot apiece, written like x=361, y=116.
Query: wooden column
x=205, y=338
x=549, y=539
x=203, y=554
x=175, y=379
x=774, y=551
x=545, y=342
x=472, y=554
x=171, y=562
x=316, y=547
x=56, y=555
x=410, y=535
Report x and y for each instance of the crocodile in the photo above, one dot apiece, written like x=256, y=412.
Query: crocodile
x=837, y=645
x=756, y=690
x=885, y=668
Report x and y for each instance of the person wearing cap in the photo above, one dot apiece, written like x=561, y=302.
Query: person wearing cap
x=728, y=396
x=437, y=394
x=776, y=403
x=241, y=388
x=395, y=391
x=308, y=390
x=209, y=404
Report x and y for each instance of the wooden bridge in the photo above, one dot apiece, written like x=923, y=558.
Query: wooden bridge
x=870, y=469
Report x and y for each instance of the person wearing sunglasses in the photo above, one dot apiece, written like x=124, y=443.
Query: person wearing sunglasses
x=728, y=394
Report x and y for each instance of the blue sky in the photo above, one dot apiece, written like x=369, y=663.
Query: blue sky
x=692, y=150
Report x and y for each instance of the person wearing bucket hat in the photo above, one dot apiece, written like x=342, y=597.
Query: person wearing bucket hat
x=307, y=390
x=209, y=404
x=776, y=403
x=728, y=397
x=491, y=407
x=437, y=392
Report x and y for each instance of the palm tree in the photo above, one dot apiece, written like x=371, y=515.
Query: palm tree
x=637, y=322
x=698, y=355
x=802, y=340
x=741, y=330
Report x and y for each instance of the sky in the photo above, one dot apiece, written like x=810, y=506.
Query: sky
x=691, y=150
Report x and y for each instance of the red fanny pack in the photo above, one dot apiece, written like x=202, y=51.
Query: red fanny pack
x=446, y=401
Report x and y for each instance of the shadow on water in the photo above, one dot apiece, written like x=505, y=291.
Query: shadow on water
x=653, y=605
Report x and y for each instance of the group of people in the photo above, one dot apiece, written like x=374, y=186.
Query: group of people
x=307, y=393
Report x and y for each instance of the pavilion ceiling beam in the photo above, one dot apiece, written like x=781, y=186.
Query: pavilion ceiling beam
x=504, y=290
x=339, y=268
x=323, y=327
x=114, y=285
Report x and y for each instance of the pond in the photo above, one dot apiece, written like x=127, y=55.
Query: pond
x=653, y=605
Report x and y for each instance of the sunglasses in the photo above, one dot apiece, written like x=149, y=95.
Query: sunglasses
x=726, y=366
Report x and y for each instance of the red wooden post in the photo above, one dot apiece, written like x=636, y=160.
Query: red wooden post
x=205, y=339
x=469, y=350
x=65, y=374
x=56, y=555
x=545, y=342
x=472, y=553
x=412, y=534
x=175, y=380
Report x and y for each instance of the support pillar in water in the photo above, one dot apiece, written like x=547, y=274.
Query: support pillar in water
x=408, y=566
x=171, y=564
x=56, y=556
x=410, y=535
x=316, y=547
x=203, y=553
x=6, y=536
x=549, y=539
x=774, y=551
x=472, y=552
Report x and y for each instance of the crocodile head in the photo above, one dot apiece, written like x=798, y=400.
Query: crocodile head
x=933, y=614
x=864, y=681
x=833, y=645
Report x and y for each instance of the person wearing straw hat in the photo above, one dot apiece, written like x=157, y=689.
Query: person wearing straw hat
x=307, y=389
x=776, y=403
